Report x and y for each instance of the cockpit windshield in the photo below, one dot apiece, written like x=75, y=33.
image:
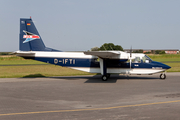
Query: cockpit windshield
x=146, y=59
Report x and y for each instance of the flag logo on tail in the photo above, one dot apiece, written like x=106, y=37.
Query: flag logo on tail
x=29, y=36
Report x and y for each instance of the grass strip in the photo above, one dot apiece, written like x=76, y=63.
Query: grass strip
x=38, y=71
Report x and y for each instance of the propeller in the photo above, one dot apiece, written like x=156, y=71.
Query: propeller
x=130, y=56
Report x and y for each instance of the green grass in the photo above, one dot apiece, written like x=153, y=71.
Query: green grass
x=47, y=70
x=175, y=67
x=167, y=59
x=164, y=56
x=37, y=71
x=36, y=68
x=14, y=60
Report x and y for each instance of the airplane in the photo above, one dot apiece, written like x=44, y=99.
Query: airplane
x=31, y=46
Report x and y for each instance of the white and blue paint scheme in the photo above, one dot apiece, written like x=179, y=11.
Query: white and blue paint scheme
x=31, y=46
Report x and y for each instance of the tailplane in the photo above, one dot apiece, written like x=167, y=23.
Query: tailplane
x=29, y=38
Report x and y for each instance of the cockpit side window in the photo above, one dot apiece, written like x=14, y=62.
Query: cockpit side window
x=136, y=60
x=146, y=59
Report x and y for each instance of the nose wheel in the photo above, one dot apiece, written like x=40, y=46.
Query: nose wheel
x=163, y=76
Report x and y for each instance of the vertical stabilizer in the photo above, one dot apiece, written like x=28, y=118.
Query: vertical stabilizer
x=29, y=38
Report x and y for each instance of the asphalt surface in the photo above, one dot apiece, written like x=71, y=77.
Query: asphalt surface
x=89, y=98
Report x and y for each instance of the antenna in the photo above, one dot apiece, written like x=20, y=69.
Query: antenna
x=104, y=48
x=111, y=47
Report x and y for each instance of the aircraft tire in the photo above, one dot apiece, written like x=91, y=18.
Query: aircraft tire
x=104, y=78
x=162, y=76
x=108, y=75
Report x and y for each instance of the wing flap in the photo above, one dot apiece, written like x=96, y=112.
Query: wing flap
x=104, y=54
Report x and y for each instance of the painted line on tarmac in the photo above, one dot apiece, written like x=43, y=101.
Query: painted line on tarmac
x=78, y=110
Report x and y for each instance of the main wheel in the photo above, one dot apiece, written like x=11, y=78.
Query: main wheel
x=108, y=75
x=104, y=78
x=162, y=76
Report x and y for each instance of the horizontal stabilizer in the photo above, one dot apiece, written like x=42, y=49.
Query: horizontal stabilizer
x=24, y=54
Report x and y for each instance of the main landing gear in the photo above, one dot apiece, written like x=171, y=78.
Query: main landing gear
x=105, y=77
x=162, y=76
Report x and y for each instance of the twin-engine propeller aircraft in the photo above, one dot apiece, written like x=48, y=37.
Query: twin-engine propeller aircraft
x=31, y=46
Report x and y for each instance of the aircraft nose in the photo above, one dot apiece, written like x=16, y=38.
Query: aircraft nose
x=168, y=67
x=164, y=66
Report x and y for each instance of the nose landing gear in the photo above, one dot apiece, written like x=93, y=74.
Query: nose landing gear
x=162, y=76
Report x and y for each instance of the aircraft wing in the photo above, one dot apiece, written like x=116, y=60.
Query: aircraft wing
x=104, y=54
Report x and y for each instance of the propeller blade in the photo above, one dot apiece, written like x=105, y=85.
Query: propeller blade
x=130, y=56
x=131, y=52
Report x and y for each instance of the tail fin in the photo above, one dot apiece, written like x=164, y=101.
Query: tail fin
x=29, y=38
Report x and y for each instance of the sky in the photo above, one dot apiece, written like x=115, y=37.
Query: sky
x=79, y=25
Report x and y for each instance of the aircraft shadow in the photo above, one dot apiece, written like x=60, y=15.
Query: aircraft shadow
x=115, y=78
x=112, y=79
x=89, y=79
x=33, y=76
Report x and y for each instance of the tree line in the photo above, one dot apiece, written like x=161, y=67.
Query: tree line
x=107, y=46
